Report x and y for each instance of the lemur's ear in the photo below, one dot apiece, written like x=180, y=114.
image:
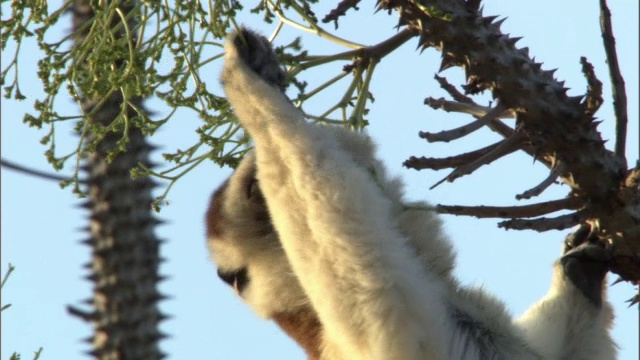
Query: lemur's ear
x=214, y=216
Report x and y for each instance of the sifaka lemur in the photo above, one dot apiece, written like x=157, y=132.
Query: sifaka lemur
x=312, y=233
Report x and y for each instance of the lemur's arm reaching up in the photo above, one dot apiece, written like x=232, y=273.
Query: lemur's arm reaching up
x=393, y=310
x=328, y=251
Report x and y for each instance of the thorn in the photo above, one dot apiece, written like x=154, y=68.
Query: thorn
x=576, y=100
x=496, y=25
x=84, y=205
x=486, y=21
x=158, y=222
x=513, y=40
x=88, y=241
x=617, y=281
x=82, y=314
x=525, y=51
x=422, y=40
x=446, y=63
x=84, y=229
x=634, y=300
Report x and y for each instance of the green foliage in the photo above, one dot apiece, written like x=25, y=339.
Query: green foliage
x=135, y=50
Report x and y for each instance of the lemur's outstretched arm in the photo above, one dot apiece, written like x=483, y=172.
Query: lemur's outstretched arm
x=393, y=310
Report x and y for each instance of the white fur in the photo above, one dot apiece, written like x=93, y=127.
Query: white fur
x=378, y=275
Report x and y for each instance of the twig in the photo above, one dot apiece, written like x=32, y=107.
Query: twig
x=545, y=224
x=455, y=93
x=465, y=108
x=594, y=88
x=448, y=162
x=340, y=10
x=35, y=173
x=525, y=211
x=505, y=147
x=457, y=133
x=617, y=82
x=538, y=189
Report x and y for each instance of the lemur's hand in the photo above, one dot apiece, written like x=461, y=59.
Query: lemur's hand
x=586, y=262
x=256, y=52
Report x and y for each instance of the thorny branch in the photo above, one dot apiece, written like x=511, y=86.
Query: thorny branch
x=551, y=126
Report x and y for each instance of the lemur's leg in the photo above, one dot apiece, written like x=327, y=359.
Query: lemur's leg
x=572, y=321
x=334, y=223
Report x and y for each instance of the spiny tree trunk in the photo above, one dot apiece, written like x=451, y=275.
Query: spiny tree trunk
x=125, y=251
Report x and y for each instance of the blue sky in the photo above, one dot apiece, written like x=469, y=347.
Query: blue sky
x=40, y=222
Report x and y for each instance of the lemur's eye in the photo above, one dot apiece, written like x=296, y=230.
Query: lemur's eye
x=237, y=279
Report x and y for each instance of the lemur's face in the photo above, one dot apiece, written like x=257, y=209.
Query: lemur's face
x=246, y=248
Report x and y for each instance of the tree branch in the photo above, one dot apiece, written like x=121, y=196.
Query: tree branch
x=35, y=173
x=525, y=211
x=617, y=82
x=467, y=129
x=545, y=224
x=448, y=162
x=505, y=147
x=538, y=189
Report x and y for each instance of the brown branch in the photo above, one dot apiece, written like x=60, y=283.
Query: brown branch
x=465, y=108
x=538, y=189
x=594, y=88
x=525, y=211
x=448, y=162
x=617, y=82
x=506, y=146
x=545, y=224
x=386, y=47
x=459, y=132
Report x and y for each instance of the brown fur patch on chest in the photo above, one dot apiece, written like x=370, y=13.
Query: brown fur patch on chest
x=304, y=327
